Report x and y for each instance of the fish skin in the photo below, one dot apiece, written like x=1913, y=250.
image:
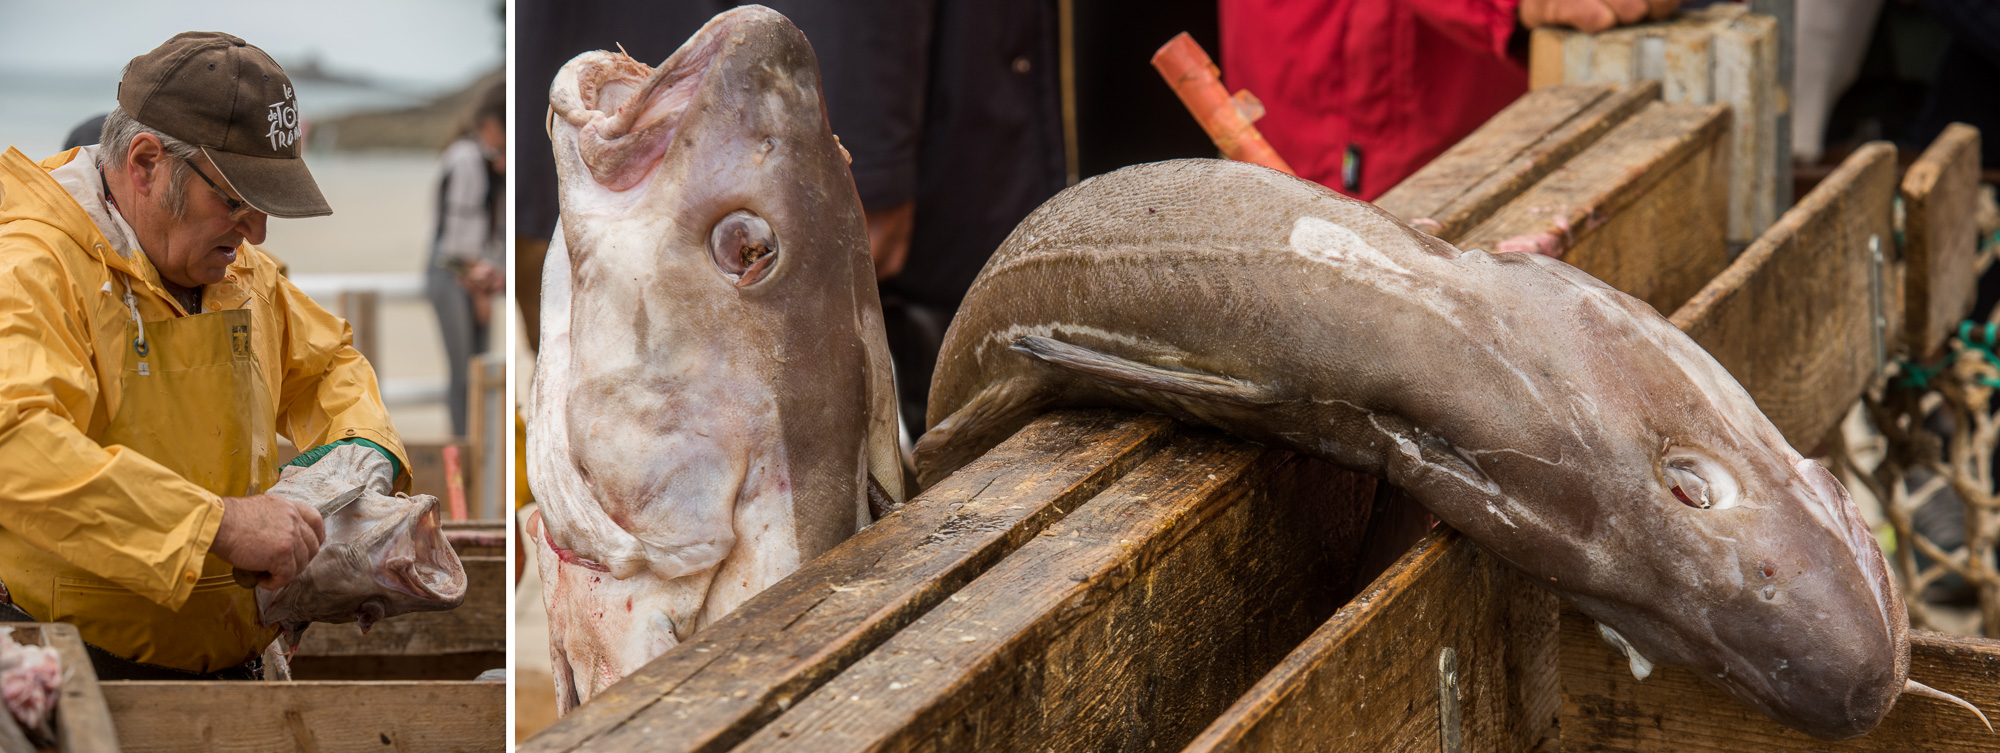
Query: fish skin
x=692, y=440
x=1522, y=401
x=385, y=554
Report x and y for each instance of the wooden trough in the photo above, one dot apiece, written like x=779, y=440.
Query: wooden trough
x=1114, y=581
x=407, y=684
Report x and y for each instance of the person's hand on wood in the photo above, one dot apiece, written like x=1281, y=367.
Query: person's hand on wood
x=268, y=534
x=1593, y=15
x=889, y=238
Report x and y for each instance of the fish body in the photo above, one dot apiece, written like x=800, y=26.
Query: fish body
x=1561, y=424
x=713, y=395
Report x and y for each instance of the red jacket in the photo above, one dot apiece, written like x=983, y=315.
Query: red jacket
x=1392, y=82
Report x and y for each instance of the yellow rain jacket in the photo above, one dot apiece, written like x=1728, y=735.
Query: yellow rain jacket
x=81, y=516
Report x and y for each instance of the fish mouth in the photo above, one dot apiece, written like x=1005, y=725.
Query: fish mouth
x=626, y=112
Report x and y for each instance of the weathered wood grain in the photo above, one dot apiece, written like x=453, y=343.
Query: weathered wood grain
x=1940, y=237
x=1604, y=709
x=1517, y=147
x=478, y=625
x=1745, y=75
x=308, y=717
x=1367, y=680
x=1128, y=625
x=454, y=666
x=707, y=694
x=82, y=721
x=1642, y=209
x=1718, y=54
x=1794, y=318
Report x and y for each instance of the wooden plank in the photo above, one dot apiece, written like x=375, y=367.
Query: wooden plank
x=1687, y=54
x=479, y=624
x=788, y=640
x=1537, y=134
x=1642, y=209
x=477, y=538
x=1368, y=680
x=308, y=717
x=1746, y=77
x=454, y=666
x=1604, y=709
x=1793, y=319
x=82, y=721
x=1138, y=617
x=1720, y=54
x=1940, y=237
x=487, y=408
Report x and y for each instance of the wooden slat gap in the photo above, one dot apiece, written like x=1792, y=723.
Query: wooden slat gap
x=851, y=599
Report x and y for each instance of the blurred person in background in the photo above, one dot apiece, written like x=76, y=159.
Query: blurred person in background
x=150, y=355
x=951, y=111
x=465, y=269
x=1359, y=94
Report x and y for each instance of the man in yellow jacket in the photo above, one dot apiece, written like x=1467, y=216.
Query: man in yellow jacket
x=149, y=354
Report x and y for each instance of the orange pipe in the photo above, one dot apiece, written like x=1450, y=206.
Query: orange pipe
x=1198, y=82
x=454, y=483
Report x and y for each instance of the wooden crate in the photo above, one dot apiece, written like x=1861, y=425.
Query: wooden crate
x=1602, y=176
x=1514, y=150
x=1642, y=209
x=82, y=722
x=1109, y=581
x=1801, y=319
x=1721, y=54
x=308, y=717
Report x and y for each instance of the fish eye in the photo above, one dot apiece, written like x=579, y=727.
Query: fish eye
x=743, y=247
x=1699, y=483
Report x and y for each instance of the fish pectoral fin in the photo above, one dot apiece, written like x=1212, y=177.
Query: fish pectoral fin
x=880, y=502
x=1125, y=372
x=986, y=420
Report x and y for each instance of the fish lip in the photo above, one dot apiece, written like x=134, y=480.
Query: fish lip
x=623, y=141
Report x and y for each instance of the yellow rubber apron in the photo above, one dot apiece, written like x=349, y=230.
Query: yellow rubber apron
x=194, y=400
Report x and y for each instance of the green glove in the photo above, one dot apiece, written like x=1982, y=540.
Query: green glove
x=309, y=457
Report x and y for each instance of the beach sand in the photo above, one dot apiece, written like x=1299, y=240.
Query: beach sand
x=381, y=223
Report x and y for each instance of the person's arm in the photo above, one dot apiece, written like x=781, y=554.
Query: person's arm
x=329, y=391
x=109, y=510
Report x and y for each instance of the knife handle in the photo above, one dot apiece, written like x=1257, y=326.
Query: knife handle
x=246, y=578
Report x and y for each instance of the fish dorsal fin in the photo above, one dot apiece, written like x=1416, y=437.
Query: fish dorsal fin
x=1124, y=372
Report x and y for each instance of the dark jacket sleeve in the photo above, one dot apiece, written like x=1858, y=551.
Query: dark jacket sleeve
x=874, y=58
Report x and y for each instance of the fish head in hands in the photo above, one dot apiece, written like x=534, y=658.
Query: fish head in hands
x=385, y=554
x=712, y=396
x=1563, y=425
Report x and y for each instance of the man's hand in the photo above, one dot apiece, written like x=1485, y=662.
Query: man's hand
x=889, y=238
x=269, y=534
x=1593, y=15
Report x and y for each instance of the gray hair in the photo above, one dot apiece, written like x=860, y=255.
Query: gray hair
x=116, y=141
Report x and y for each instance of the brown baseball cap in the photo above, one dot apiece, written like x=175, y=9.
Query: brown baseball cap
x=222, y=94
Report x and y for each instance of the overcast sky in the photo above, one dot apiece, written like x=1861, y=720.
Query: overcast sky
x=417, y=43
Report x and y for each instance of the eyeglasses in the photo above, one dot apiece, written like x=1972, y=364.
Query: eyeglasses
x=237, y=208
